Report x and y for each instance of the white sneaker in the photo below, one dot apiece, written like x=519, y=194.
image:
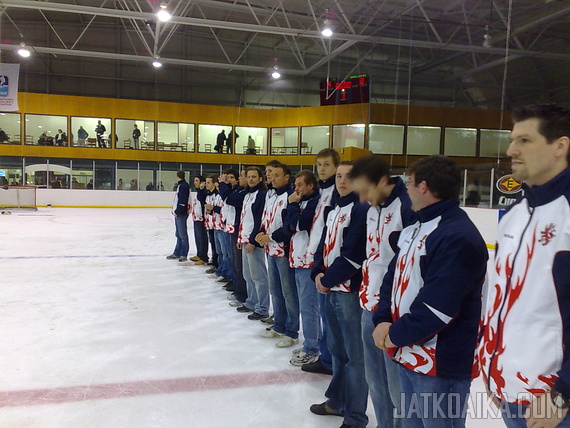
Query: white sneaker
x=231, y=297
x=213, y=276
x=221, y=279
x=235, y=303
x=303, y=358
x=269, y=333
x=286, y=342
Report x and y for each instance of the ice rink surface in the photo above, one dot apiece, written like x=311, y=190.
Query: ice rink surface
x=99, y=330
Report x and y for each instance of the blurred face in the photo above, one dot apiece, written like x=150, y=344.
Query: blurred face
x=253, y=178
x=326, y=168
x=302, y=188
x=232, y=180
x=342, y=181
x=210, y=185
x=533, y=159
x=368, y=191
x=279, y=179
x=196, y=182
x=243, y=179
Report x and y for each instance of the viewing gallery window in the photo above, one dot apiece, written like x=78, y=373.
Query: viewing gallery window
x=314, y=139
x=423, y=140
x=88, y=132
x=494, y=142
x=460, y=142
x=209, y=135
x=386, y=139
x=250, y=140
x=44, y=130
x=134, y=134
x=10, y=128
x=175, y=136
x=348, y=136
x=284, y=141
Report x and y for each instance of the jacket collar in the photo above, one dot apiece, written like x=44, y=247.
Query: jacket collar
x=435, y=210
x=311, y=196
x=343, y=201
x=256, y=188
x=549, y=191
x=398, y=190
x=282, y=189
x=327, y=183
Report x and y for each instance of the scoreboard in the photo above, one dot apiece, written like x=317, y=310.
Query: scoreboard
x=355, y=89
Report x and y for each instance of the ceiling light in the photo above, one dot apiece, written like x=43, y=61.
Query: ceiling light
x=163, y=14
x=327, y=30
x=276, y=74
x=487, y=39
x=23, y=51
x=156, y=64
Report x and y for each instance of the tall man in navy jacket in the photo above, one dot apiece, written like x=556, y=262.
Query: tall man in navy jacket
x=337, y=274
x=525, y=352
x=180, y=209
x=430, y=299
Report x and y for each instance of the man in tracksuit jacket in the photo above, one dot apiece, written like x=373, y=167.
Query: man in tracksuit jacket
x=180, y=209
x=337, y=274
x=430, y=299
x=526, y=340
x=200, y=234
x=391, y=211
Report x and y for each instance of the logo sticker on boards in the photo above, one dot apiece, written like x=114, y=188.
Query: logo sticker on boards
x=507, y=184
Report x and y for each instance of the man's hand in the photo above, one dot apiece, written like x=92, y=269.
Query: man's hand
x=320, y=287
x=209, y=208
x=238, y=245
x=380, y=334
x=249, y=248
x=294, y=197
x=542, y=413
x=262, y=238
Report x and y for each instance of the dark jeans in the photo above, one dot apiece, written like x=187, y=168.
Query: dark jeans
x=212, y=241
x=239, y=281
x=325, y=356
x=181, y=249
x=201, y=239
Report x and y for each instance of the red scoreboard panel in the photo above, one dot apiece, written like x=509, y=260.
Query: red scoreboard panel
x=355, y=89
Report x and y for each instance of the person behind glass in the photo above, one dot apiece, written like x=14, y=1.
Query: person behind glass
x=100, y=131
x=82, y=136
x=150, y=186
x=337, y=274
x=235, y=199
x=200, y=234
x=135, y=185
x=326, y=163
x=430, y=300
x=136, y=136
x=525, y=348
x=254, y=268
x=211, y=221
x=231, y=141
x=3, y=136
x=180, y=209
x=43, y=140
x=60, y=138
x=229, y=184
x=220, y=141
x=390, y=212
x=90, y=184
x=251, y=150
x=275, y=237
x=120, y=184
x=214, y=204
x=301, y=207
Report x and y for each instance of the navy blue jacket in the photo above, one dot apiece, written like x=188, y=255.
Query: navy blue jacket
x=235, y=198
x=304, y=218
x=182, y=197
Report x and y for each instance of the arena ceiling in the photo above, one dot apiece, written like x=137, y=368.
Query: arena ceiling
x=430, y=52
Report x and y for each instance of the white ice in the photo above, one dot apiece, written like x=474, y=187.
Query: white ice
x=99, y=330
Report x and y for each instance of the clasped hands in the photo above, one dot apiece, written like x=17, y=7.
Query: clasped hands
x=381, y=336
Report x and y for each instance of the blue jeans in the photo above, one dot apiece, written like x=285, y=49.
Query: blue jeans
x=284, y=296
x=224, y=254
x=432, y=402
x=513, y=416
x=325, y=356
x=182, y=245
x=348, y=391
x=201, y=239
x=382, y=377
x=256, y=278
x=309, y=308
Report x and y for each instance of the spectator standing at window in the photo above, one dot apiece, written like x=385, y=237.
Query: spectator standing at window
x=82, y=135
x=220, y=141
x=100, y=131
x=136, y=136
x=251, y=146
x=230, y=142
x=3, y=136
x=60, y=138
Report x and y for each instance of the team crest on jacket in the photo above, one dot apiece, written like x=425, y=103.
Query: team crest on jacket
x=388, y=218
x=507, y=184
x=422, y=242
x=547, y=234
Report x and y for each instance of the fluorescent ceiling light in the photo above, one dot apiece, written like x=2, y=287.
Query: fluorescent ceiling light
x=156, y=64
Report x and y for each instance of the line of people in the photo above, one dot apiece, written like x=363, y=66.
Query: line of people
x=387, y=279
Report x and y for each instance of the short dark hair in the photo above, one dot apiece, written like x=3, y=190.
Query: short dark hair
x=180, y=174
x=201, y=178
x=214, y=177
x=309, y=177
x=285, y=168
x=273, y=163
x=441, y=174
x=349, y=163
x=232, y=171
x=328, y=152
x=371, y=167
x=554, y=121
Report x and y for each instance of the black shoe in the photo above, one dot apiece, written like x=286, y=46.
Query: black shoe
x=211, y=270
x=256, y=317
x=243, y=309
x=323, y=410
x=172, y=257
x=316, y=367
x=229, y=288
